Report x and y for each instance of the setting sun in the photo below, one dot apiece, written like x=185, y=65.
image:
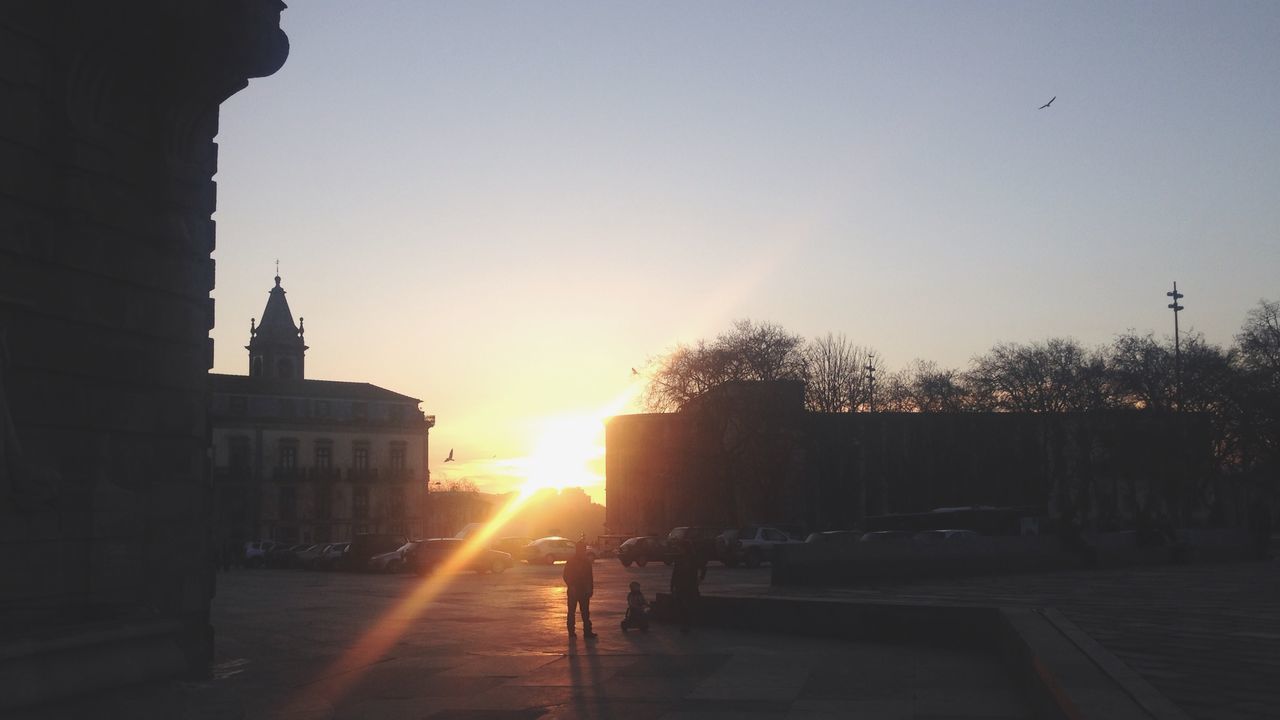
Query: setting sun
x=567, y=453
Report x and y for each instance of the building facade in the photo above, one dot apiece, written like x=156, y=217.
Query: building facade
x=308, y=461
x=107, y=117
x=750, y=453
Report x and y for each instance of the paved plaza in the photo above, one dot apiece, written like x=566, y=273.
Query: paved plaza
x=1206, y=636
x=305, y=646
x=495, y=646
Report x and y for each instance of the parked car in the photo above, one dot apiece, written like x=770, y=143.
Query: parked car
x=724, y=544
x=513, y=546
x=640, y=550
x=332, y=556
x=392, y=561
x=427, y=556
x=255, y=552
x=754, y=545
x=365, y=546
x=283, y=555
x=835, y=538
x=701, y=537
x=943, y=538
x=308, y=559
x=607, y=545
x=549, y=550
x=889, y=538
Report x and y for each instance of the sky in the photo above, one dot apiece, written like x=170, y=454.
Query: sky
x=503, y=207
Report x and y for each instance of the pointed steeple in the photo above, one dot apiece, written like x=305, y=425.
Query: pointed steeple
x=276, y=347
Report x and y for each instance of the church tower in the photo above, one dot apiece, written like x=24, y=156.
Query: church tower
x=276, y=347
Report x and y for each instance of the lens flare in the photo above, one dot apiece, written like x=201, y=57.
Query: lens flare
x=373, y=644
x=562, y=458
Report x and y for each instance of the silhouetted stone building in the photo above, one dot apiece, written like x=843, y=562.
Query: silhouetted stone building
x=108, y=112
x=304, y=461
x=750, y=453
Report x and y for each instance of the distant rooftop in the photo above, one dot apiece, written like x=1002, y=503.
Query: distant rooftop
x=330, y=389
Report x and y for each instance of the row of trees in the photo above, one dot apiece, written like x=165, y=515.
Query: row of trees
x=1237, y=386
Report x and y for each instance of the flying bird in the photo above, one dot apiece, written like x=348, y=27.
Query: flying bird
x=450, y=458
x=634, y=371
x=1055, y=97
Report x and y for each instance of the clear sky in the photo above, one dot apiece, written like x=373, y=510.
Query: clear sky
x=502, y=207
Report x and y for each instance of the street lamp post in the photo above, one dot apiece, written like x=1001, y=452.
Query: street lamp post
x=1177, y=347
x=871, y=382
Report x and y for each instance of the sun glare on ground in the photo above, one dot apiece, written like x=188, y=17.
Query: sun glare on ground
x=563, y=456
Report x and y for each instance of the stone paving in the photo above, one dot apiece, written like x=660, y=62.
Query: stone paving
x=1206, y=636
x=494, y=646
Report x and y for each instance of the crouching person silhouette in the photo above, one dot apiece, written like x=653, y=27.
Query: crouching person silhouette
x=578, y=578
x=636, y=616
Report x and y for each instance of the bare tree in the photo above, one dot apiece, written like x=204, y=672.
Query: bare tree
x=835, y=375
x=763, y=351
x=1259, y=340
x=685, y=373
x=1057, y=375
x=462, y=485
x=924, y=387
x=748, y=351
x=1140, y=371
x=1258, y=388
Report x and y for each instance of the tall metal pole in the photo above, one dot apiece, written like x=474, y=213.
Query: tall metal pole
x=1177, y=347
x=871, y=382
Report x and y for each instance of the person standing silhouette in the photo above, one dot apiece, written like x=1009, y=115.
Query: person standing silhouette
x=686, y=572
x=581, y=583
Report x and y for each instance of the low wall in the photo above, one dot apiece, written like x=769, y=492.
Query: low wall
x=1061, y=670
x=816, y=564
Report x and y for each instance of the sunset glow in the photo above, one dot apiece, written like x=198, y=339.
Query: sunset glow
x=568, y=452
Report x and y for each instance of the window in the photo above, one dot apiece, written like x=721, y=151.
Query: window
x=288, y=503
x=324, y=454
x=360, y=455
x=397, y=455
x=360, y=410
x=322, y=408
x=239, y=405
x=397, y=413
x=288, y=454
x=774, y=536
x=238, y=452
x=360, y=503
x=288, y=408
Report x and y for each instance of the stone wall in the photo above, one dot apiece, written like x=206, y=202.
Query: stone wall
x=107, y=118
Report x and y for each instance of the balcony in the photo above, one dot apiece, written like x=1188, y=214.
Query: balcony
x=323, y=474
x=404, y=474
x=233, y=473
